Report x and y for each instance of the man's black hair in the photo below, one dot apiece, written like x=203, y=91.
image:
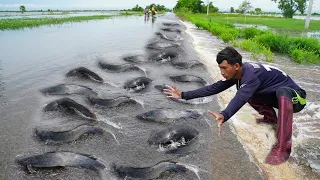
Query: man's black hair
x=230, y=55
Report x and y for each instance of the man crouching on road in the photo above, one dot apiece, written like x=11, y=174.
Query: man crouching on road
x=264, y=87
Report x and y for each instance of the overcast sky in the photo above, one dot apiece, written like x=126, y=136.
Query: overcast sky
x=265, y=5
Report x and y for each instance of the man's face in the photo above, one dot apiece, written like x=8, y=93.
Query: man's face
x=228, y=71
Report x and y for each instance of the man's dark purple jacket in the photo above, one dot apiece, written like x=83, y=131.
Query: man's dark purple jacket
x=258, y=81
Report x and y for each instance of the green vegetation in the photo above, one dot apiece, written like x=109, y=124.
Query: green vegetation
x=158, y=8
x=35, y=22
x=244, y=7
x=22, y=8
x=271, y=22
x=261, y=42
x=289, y=7
x=129, y=13
x=195, y=6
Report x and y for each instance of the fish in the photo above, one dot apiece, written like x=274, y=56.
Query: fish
x=69, y=106
x=152, y=172
x=187, y=65
x=137, y=84
x=68, y=89
x=165, y=56
x=167, y=115
x=110, y=103
x=84, y=73
x=57, y=159
x=66, y=136
x=161, y=45
x=171, y=30
x=176, y=139
x=163, y=36
x=119, y=68
x=188, y=78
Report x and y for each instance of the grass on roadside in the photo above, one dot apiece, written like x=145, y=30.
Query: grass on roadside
x=260, y=42
x=270, y=21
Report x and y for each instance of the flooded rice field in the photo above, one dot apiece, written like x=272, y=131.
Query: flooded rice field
x=309, y=34
x=54, y=14
x=84, y=101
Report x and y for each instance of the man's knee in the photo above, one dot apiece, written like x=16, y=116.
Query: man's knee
x=285, y=91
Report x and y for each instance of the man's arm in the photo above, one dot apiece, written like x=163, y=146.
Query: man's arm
x=241, y=97
x=209, y=90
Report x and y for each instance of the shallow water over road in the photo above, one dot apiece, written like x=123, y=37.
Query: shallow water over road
x=33, y=60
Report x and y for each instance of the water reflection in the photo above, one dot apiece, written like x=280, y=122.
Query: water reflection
x=146, y=18
x=312, y=34
x=153, y=20
x=2, y=88
x=241, y=26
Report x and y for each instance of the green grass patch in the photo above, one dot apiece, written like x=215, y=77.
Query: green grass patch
x=6, y=24
x=304, y=57
x=261, y=42
x=129, y=13
x=256, y=48
x=270, y=21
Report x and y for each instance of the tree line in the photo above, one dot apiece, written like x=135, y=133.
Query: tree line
x=158, y=7
x=288, y=7
x=194, y=6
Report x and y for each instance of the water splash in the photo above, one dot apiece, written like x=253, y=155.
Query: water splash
x=139, y=102
x=192, y=168
x=113, y=124
x=145, y=71
x=114, y=136
x=111, y=84
x=172, y=145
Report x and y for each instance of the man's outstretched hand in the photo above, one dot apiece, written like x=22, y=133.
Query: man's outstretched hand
x=172, y=92
x=219, y=118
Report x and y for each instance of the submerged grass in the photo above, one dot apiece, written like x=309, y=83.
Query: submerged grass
x=6, y=24
x=270, y=21
x=262, y=42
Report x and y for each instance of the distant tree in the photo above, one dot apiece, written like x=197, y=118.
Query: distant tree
x=158, y=7
x=289, y=7
x=238, y=11
x=302, y=6
x=49, y=10
x=137, y=8
x=193, y=5
x=245, y=6
x=22, y=8
x=258, y=10
x=212, y=9
x=232, y=9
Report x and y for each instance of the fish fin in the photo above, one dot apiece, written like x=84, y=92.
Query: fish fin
x=30, y=169
x=88, y=155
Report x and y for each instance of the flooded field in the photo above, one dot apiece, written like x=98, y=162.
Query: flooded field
x=53, y=14
x=311, y=34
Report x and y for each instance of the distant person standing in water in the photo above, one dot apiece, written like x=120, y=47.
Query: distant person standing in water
x=146, y=11
x=264, y=87
x=153, y=10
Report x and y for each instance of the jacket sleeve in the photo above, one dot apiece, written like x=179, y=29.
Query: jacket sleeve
x=242, y=96
x=209, y=90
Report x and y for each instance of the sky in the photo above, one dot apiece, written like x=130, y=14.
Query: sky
x=265, y=5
